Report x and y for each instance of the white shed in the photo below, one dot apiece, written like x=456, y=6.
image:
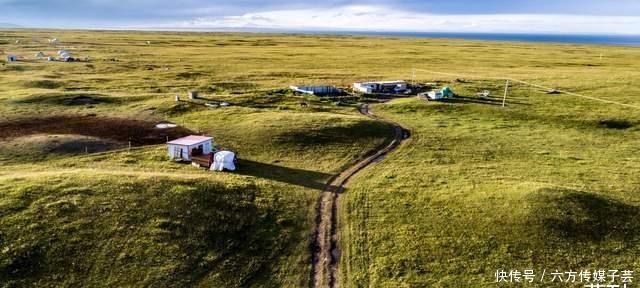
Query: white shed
x=186, y=147
x=12, y=58
x=380, y=86
x=316, y=90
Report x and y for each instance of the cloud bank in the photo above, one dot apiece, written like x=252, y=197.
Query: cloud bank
x=384, y=18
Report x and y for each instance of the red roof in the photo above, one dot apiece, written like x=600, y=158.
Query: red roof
x=190, y=140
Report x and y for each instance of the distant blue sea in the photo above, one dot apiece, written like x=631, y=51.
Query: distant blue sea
x=618, y=40
x=623, y=40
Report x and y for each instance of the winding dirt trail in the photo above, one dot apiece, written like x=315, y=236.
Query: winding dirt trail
x=325, y=249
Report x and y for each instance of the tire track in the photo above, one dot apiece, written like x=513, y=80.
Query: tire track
x=325, y=249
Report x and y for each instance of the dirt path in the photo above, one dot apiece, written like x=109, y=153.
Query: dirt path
x=325, y=250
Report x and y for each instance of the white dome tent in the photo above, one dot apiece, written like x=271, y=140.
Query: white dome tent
x=224, y=160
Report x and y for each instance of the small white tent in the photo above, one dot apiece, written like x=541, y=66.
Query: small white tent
x=54, y=41
x=12, y=58
x=224, y=160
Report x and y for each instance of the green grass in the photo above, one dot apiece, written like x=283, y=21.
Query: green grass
x=131, y=218
x=547, y=183
x=480, y=188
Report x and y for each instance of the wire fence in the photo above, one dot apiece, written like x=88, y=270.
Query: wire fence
x=528, y=83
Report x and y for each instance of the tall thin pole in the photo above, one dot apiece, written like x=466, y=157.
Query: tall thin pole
x=413, y=76
x=506, y=90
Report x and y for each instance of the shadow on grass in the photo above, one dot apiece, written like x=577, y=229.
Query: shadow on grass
x=335, y=135
x=208, y=234
x=581, y=216
x=305, y=178
x=77, y=99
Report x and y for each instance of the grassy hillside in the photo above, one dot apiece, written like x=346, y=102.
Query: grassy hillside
x=550, y=182
x=477, y=188
x=81, y=208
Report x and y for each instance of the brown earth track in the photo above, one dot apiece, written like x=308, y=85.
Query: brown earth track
x=138, y=132
x=325, y=250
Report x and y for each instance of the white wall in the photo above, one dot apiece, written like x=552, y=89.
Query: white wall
x=206, y=149
x=171, y=149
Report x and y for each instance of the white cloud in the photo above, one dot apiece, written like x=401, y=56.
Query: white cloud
x=382, y=18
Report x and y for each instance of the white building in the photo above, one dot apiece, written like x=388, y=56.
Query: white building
x=316, y=90
x=380, y=87
x=186, y=147
x=444, y=93
x=12, y=58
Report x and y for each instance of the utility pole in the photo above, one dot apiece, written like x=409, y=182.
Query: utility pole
x=413, y=77
x=506, y=90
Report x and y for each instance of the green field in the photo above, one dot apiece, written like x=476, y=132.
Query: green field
x=547, y=182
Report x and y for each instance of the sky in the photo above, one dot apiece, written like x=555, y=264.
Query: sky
x=492, y=16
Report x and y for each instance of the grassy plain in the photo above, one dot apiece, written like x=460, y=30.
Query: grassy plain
x=120, y=217
x=548, y=182
x=477, y=188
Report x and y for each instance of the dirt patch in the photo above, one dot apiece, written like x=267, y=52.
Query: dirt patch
x=139, y=132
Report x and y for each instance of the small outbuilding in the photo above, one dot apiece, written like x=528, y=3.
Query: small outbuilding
x=187, y=147
x=381, y=87
x=317, y=90
x=445, y=93
x=12, y=58
x=40, y=55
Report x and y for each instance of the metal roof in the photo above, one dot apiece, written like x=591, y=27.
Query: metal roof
x=190, y=140
x=382, y=82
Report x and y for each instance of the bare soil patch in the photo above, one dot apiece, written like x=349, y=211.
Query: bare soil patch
x=138, y=132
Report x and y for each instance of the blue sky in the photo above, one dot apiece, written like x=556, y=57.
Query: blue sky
x=568, y=16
